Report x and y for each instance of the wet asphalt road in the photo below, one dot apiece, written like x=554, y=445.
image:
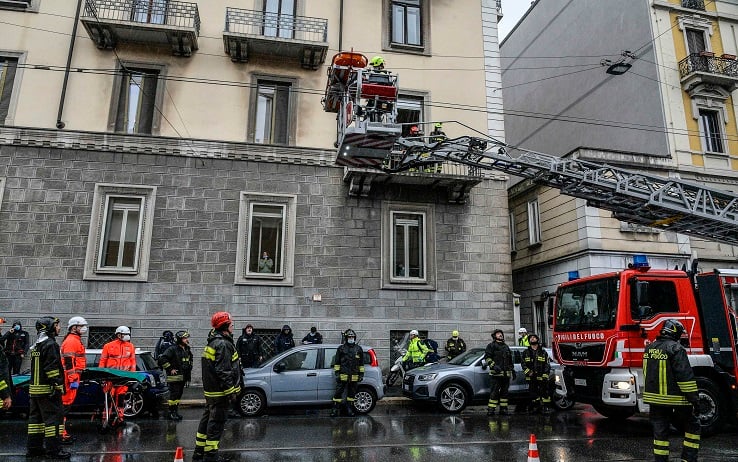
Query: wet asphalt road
x=391, y=432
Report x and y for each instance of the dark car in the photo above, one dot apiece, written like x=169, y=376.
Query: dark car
x=149, y=398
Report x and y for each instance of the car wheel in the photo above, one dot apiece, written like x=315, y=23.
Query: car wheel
x=392, y=378
x=133, y=404
x=614, y=412
x=365, y=400
x=252, y=403
x=453, y=397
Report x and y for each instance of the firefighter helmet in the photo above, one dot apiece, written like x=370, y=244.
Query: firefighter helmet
x=438, y=125
x=376, y=61
x=455, y=333
x=494, y=334
x=533, y=336
x=220, y=319
x=349, y=333
x=181, y=335
x=46, y=325
x=672, y=329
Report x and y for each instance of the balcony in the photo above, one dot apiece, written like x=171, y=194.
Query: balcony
x=456, y=179
x=151, y=22
x=705, y=68
x=255, y=33
x=694, y=4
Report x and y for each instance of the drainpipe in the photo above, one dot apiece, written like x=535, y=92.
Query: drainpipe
x=340, y=28
x=59, y=124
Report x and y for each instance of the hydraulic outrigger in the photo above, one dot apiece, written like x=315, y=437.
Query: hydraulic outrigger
x=368, y=137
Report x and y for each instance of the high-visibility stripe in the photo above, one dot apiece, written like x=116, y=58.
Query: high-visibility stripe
x=692, y=436
x=691, y=444
x=209, y=353
x=688, y=387
x=669, y=400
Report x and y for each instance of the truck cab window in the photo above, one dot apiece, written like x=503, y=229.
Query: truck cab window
x=661, y=297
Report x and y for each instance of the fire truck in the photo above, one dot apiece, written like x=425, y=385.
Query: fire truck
x=602, y=323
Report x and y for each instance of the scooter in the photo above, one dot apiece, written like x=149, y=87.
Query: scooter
x=399, y=368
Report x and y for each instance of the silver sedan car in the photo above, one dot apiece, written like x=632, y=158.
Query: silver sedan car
x=465, y=380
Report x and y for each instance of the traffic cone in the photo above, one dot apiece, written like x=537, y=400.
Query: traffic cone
x=533, y=449
x=179, y=454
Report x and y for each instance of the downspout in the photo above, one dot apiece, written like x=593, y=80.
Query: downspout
x=59, y=124
x=340, y=28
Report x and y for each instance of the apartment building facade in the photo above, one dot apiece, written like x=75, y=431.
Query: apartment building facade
x=646, y=86
x=152, y=152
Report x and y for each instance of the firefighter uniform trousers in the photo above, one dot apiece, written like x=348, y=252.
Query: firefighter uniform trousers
x=212, y=423
x=498, y=391
x=661, y=418
x=46, y=411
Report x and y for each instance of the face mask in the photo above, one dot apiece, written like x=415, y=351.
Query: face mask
x=351, y=341
x=83, y=330
x=126, y=338
x=16, y=327
x=455, y=338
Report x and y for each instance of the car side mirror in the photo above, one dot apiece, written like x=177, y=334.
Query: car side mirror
x=280, y=367
x=484, y=366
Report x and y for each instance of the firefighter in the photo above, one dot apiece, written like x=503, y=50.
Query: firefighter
x=348, y=367
x=416, y=351
x=436, y=136
x=455, y=345
x=499, y=359
x=221, y=376
x=537, y=369
x=47, y=386
x=5, y=379
x=377, y=64
x=119, y=354
x=177, y=363
x=74, y=362
x=671, y=391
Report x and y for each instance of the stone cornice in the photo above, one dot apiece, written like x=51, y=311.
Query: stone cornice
x=159, y=145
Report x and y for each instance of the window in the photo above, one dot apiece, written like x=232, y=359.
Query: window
x=710, y=131
x=410, y=111
x=301, y=360
x=660, y=297
x=695, y=40
x=406, y=22
x=279, y=18
x=8, y=67
x=266, y=239
x=149, y=11
x=138, y=93
x=534, y=223
x=97, y=337
x=408, y=243
x=120, y=233
x=21, y=5
x=272, y=115
x=513, y=245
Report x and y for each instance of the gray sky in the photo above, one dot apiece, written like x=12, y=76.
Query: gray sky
x=512, y=11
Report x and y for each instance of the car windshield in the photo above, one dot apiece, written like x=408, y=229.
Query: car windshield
x=587, y=305
x=468, y=357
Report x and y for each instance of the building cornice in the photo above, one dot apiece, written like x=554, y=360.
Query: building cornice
x=167, y=146
x=710, y=14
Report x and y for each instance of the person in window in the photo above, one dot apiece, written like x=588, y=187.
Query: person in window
x=16, y=342
x=284, y=340
x=416, y=351
x=177, y=363
x=348, y=366
x=498, y=357
x=266, y=264
x=312, y=337
x=537, y=369
x=250, y=347
x=455, y=345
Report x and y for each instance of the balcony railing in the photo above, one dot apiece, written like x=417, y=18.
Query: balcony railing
x=250, y=32
x=694, y=4
x=143, y=21
x=703, y=67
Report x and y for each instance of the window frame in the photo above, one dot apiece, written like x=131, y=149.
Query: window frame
x=115, y=98
x=387, y=28
x=389, y=280
x=534, y=222
x=708, y=139
x=20, y=58
x=412, y=98
x=513, y=243
x=258, y=80
x=242, y=275
x=2, y=191
x=93, y=269
x=30, y=6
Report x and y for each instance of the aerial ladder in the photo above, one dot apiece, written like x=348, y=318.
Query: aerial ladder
x=368, y=136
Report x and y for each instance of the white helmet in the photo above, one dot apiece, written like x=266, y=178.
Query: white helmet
x=522, y=330
x=414, y=332
x=123, y=330
x=76, y=321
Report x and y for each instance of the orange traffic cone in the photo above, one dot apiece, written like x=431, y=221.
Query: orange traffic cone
x=533, y=449
x=179, y=454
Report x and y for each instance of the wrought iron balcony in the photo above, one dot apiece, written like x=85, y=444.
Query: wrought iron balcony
x=249, y=33
x=704, y=68
x=694, y=4
x=160, y=22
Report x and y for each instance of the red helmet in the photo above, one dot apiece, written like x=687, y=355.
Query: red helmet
x=219, y=319
x=414, y=129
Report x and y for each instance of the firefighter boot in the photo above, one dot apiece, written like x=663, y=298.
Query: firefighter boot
x=58, y=454
x=350, y=409
x=176, y=412
x=172, y=413
x=336, y=411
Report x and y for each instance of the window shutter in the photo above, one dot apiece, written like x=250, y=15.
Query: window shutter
x=281, y=114
x=7, y=76
x=148, y=103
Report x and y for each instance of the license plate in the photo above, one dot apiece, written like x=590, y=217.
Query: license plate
x=406, y=386
x=580, y=382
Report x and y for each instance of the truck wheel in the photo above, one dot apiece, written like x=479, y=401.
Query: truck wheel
x=614, y=412
x=453, y=397
x=712, y=412
x=392, y=378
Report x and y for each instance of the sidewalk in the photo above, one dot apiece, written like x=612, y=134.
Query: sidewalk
x=193, y=397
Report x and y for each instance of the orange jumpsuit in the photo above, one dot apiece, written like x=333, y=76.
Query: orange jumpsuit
x=121, y=355
x=74, y=361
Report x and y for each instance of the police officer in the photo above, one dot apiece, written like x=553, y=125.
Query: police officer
x=47, y=386
x=74, y=362
x=455, y=345
x=523, y=337
x=499, y=359
x=671, y=391
x=16, y=342
x=177, y=363
x=537, y=369
x=348, y=366
x=416, y=351
x=221, y=376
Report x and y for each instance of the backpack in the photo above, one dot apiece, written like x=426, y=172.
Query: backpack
x=432, y=356
x=161, y=346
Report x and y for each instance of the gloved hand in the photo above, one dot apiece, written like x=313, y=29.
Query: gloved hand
x=497, y=369
x=74, y=385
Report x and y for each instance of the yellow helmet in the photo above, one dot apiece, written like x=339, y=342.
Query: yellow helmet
x=376, y=61
x=455, y=333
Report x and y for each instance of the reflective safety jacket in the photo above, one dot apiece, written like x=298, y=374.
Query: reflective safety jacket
x=177, y=358
x=46, y=368
x=221, y=366
x=416, y=351
x=498, y=357
x=348, y=365
x=73, y=358
x=536, y=364
x=523, y=341
x=118, y=354
x=668, y=376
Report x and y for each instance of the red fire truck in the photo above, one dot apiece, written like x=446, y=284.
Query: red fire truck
x=603, y=323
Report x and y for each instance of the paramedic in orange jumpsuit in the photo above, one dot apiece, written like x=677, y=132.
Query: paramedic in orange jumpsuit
x=74, y=362
x=119, y=354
